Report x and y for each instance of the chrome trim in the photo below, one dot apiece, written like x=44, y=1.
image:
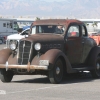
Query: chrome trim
x=18, y=51
x=7, y=66
x=30, y=52
x=28, y=67
x=23, y=52
x=23, y=49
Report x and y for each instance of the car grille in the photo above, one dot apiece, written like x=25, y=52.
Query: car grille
x=24, y=52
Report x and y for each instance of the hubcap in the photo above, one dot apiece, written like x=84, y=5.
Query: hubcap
x=57, y=70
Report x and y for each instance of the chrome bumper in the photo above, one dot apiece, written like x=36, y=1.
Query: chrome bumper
x=28, y=67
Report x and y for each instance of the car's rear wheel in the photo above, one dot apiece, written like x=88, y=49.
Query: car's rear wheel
x=96, y=71
x=6, y=76
x=56, y=74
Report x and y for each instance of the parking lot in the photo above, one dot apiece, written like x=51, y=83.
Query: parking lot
x=36, y=87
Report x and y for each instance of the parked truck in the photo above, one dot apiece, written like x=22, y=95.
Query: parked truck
x=53, y=48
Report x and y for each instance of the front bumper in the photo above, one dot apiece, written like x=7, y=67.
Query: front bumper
x=28, y=67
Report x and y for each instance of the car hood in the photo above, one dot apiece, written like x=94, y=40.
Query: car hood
x=16, y=37
x=44, y=38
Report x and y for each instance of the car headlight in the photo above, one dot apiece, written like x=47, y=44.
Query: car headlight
x=37, y=46
x=13, y=44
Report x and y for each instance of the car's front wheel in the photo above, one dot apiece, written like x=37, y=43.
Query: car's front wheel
x=56, y=74
x=6, y=76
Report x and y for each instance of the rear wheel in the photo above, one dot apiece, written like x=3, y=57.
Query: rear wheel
x=6, y=76
x=56, y=74
x=96, y=71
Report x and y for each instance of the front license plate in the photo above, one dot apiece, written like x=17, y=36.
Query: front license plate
x=44, y=62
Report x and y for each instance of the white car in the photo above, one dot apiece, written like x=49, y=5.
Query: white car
x=16, y=37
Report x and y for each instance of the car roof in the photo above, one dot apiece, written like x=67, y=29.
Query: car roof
x=55, y=21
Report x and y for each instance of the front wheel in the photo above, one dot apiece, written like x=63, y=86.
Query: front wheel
x=56, y=74
x=96, y=71
x=6, y=76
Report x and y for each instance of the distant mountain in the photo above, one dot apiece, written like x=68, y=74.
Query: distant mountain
x=66, y=8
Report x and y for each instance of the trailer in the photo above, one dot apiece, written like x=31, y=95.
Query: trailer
x=8, y=26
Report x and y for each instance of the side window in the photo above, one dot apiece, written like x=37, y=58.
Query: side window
x=4, y=24
x=40, y=29
x=33, y=31
x=84, y=33
x=73, y=31
x=10, y=25
x=15, y=26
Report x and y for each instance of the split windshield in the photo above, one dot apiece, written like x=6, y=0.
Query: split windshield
x=57, y=29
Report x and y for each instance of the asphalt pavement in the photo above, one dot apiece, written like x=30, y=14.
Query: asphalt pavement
x=36, y=87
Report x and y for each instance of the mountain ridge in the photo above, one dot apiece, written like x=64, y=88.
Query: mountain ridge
x=74, y=8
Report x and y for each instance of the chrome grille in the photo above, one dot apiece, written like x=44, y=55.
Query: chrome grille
x=24, y=52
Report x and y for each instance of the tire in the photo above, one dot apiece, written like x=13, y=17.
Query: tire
x=6, y=76
x=96, y=71
x=56, y=74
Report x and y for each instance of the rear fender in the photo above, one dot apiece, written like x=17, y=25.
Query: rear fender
x=95, y=51
x=4, y=55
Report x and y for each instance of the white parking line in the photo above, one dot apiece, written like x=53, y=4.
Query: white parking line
x=43, y=88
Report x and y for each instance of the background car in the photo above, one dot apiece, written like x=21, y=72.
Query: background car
x=16, y=37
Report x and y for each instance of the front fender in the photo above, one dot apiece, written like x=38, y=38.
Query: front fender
x=52, y=55
x=4, y=55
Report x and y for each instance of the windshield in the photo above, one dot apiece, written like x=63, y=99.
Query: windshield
x=57, y=29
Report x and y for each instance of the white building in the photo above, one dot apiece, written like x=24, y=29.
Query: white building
x=92, y=24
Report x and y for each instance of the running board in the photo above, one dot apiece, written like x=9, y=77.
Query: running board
x=83, y=68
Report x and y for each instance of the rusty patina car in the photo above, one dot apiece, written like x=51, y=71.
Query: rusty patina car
x=50, y=52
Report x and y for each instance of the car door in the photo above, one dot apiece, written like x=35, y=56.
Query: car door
x=74, y=44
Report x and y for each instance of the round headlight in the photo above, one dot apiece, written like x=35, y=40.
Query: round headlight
x=12, y=46
x=37, y=46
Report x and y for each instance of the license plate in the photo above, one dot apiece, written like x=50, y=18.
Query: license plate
x=44, y=62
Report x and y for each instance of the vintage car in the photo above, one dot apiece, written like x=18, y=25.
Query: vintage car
x=51, y=51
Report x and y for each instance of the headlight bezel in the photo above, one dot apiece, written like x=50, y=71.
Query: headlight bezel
x=13, y=45
x=37, y=46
